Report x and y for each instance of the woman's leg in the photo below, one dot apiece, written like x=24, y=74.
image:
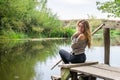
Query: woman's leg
x=65, y=56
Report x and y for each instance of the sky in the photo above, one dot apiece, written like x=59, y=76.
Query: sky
x=76, y=9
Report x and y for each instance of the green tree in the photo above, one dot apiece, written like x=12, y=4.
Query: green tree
x=29, y=17
x=111, y=7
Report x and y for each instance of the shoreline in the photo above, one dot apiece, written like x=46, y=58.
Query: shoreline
x=35, y=39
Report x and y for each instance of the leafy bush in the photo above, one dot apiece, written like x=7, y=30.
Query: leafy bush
x=60, y=32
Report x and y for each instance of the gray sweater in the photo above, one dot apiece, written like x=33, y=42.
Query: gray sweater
x=78, y=46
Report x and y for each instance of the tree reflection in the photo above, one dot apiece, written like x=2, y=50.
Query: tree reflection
x=17, y=60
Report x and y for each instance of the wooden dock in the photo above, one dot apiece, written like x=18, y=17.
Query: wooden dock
x=99, y=70
x=92, y=70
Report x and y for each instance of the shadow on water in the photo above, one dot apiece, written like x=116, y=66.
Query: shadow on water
x=32, y=60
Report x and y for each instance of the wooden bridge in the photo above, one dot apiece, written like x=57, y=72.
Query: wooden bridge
x=91, y=70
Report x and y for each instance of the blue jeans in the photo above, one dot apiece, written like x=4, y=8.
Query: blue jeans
x=67, y=57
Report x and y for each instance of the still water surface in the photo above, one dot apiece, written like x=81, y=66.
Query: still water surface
x=32, y=60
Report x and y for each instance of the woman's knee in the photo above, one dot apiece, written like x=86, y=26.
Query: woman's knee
x=61, y=51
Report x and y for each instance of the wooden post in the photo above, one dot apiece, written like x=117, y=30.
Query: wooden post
x=73, y=75
x=106, y=45
x=65, y=73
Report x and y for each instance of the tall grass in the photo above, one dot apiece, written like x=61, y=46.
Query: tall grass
x=12, y=35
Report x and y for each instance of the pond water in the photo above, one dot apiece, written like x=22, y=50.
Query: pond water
x=32, y=60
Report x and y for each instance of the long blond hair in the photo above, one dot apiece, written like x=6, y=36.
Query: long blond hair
x=87, y=31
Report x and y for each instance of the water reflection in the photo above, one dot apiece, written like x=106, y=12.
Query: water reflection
x=17, y=60
x=32, y=60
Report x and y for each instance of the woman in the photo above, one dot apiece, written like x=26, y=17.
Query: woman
x=80, y=39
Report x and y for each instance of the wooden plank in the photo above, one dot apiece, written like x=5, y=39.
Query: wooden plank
x=98, y=28
x=77, y=64
x=106, y=45
x=111, y=24
x=107, y=67
x=97, y=72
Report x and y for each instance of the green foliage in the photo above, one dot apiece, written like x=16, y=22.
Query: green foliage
x=60, y=32
x=12, y=35
x=24, y=16
x=115, y=32
x=111, y=7
x=68, y=32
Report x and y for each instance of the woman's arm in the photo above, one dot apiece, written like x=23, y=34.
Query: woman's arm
x=75, y=42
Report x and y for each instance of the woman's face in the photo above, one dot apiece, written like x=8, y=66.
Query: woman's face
x=80, y=27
